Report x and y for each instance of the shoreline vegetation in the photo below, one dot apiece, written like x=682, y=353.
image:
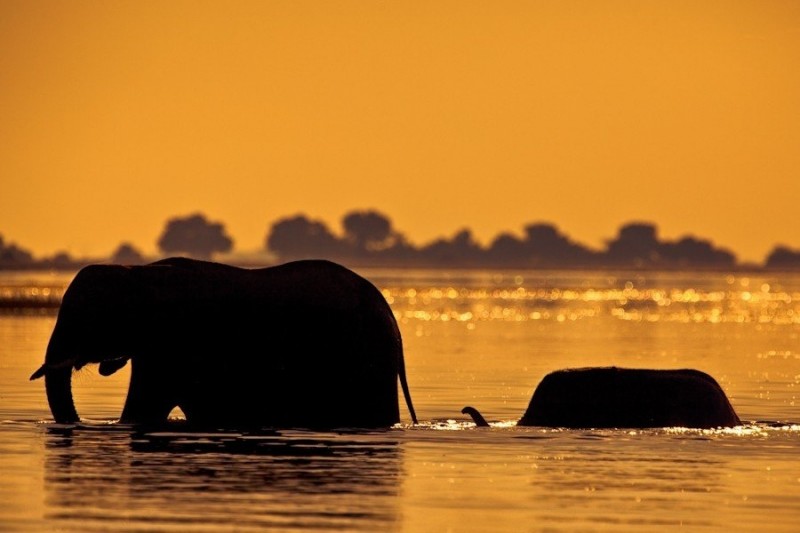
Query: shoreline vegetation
x=369, y=240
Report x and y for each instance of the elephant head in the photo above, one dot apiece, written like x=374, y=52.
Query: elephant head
x=612, y=397
x=307, y=343
x=92, y=327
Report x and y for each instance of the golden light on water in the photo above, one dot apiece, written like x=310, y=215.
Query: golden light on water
x=736, y=302
x=468, y=305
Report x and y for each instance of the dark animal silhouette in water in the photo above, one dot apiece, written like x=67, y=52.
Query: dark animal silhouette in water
x=612, y=397
x=303, y=344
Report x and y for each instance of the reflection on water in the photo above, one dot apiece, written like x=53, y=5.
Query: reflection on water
x=530, y=479
x=32, y=293
x=529, y=295
x=443, y=475
x=96, y=475
x=521, y=299
x=533, y=479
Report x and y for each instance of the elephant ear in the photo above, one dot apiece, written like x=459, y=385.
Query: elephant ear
x=112, y=365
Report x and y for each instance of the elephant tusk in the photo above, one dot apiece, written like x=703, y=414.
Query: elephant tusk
x=39, y=373
x=47, y=367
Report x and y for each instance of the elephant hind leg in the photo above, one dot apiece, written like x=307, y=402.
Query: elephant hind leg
x=196, y=413
x=138, y=411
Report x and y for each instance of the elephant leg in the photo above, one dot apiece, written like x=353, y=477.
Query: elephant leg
x=195, y=411
x=151, y=396
x=204, y=402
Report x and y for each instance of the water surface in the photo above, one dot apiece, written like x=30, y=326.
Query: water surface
x=471, y=338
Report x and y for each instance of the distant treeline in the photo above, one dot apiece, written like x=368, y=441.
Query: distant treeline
x=368, y=238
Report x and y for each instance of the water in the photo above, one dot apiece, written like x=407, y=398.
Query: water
x=471, y=338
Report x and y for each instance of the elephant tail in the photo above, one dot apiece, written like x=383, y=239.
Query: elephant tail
x=477, y=417
x=397, y=340
x=404, y=384
x=401, y=364
x=384, y=331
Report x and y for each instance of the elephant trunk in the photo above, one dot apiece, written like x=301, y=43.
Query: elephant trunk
x=58, y=384
x=477, y=417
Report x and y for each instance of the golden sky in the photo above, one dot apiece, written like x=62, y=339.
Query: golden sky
x=116, y=116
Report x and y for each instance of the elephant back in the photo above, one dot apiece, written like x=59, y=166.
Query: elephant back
x=629, y=398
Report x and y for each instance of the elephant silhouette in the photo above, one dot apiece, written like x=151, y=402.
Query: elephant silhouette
x=307, y=344
x=612, y=397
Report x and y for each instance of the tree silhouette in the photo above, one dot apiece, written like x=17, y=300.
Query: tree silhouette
x=12, y=255
x=692, y=251
x=783, y=257
x=550, y=247
x=636, y=245
x=194, y=236
x=398, y=250
x=461, y=250
x=60, y=260
x=126, y=254
x=298, y=237
x=507, y=249
x=367, y=230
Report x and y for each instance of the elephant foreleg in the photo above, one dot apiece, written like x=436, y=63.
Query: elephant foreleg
x=150, y=395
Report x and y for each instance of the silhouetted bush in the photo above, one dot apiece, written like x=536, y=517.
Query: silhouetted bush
x=508, y=249
x=783, y=257
x=127, y=254
x=298, y=237
x=12, y=256
x=690, y=251
x=636, y=245
x=549, y=247
x=461, y=250
x=367, y=230
x=194, y=236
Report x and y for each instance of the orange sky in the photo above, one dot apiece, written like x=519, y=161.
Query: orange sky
x=115, y=116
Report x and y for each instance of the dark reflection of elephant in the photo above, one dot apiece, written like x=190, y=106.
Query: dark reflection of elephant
x=97, y=476
x=304, y=344
x=626, y=398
